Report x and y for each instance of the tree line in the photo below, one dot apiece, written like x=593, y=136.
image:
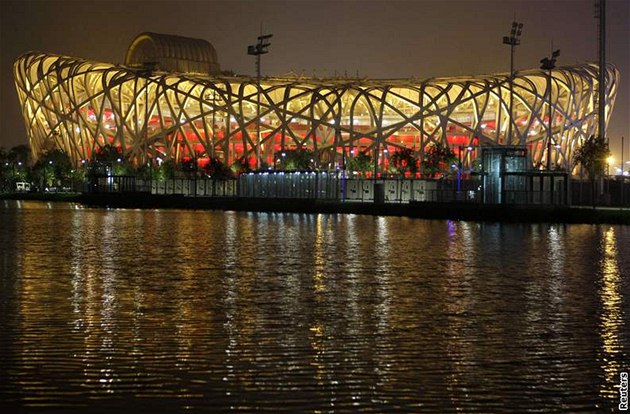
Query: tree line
x=54, y=169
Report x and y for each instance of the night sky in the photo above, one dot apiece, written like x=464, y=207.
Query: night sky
x=377, y=39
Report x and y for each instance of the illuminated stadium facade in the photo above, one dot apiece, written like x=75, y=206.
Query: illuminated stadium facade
x=170, y=101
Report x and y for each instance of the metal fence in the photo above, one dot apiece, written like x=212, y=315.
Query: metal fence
x=111, y=184
x=335, y=186
x=195, y=188
x=307, y=184
x=405, y=190
x=611, y=192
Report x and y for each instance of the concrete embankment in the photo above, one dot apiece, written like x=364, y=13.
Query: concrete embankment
x=442, y=211
x=455, y=211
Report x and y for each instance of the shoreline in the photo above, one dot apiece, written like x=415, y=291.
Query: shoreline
x=421, y=210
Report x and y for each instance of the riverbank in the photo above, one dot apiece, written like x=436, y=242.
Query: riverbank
x=425, y=210
x=56, y=197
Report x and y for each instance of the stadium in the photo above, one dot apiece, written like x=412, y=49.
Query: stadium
x=170, y=101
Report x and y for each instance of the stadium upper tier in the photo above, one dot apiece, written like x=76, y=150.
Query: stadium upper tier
x=81, y=106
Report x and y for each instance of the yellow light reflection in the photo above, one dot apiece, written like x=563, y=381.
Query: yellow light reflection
x=556, y=259
x=458, y=287
x=320, y=259
x=611, y=320
x=383, y=273
x=318, y=340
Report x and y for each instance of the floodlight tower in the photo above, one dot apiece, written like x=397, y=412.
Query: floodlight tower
x=600, y=14
x=514, y=39
x=256, y=50
x=549, y=64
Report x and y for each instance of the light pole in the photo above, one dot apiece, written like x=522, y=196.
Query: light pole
x=256, y=50
x=214, y=110
x=459, y=168
x=622, y=157
x=549, y=64
x=600, y=13
x=622, y=182
x=514, y=39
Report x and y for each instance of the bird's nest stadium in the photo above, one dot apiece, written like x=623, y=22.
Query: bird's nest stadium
x=170, y=101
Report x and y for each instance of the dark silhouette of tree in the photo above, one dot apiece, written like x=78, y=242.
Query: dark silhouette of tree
x=217, y=169
x=241, y=166
x=189, y=167
x=360, y=163
x=403, y=161
x=164, y=171
x=592, y=157
x=53, y=168
x=110, y=159
x=437, y=159
x=5, y=183
x=295, y=159
x=20, y=153
x=14, y=166
x=108, y=153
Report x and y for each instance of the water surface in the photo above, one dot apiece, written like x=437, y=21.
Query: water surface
x=160, y=311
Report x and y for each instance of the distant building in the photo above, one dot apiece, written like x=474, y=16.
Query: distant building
x=170, y=101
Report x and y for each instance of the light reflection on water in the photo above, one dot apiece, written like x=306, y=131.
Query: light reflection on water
x=611, y=314
x=164, y=310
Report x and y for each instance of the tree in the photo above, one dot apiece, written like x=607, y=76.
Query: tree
x=217, y=169
x=295, y=159
x=164, y=171
x=241, y=166
x=110, y=159
x=189, y=167
x=53, y=168
x=403, y=161
x=20, y=154
x=361, y=163
x=143, y=172
x=437, y=159
x=13, y=166
x=5, y=183
x=592, y=156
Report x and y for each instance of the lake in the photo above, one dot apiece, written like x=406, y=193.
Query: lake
x=173, y=310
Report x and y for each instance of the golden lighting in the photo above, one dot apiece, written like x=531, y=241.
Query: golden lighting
x=89, y=105
x=611, y=317
x=319, y=278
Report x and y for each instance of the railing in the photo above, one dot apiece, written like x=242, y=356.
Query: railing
x=611, y=192
x=306, y=184
x=195, y=188
x=334, y=186
x=401, y=190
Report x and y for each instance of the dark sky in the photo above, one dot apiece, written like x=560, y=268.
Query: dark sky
x=378, y=38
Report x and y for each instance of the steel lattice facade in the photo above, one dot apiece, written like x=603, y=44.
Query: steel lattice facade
x=81, y=106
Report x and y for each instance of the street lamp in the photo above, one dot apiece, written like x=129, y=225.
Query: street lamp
x=256, y=50
x=609, y=161
x=514, y=39
x=214, y=125
x=549, y=64
x=623, y=180
x=460, y=148
x=600, y=13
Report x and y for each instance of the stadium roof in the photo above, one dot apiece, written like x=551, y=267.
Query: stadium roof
x=172, y=53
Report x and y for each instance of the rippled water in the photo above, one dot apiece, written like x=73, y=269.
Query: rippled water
x=218, y=311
